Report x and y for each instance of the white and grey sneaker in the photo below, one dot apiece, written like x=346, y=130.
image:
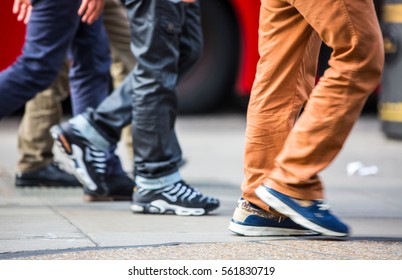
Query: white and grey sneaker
x=88, y=163
x=178, y=198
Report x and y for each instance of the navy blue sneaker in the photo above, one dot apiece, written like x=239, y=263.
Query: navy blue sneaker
x=250, y=220
x=311, y=214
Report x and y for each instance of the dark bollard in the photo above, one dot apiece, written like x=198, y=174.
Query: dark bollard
x=390, y=107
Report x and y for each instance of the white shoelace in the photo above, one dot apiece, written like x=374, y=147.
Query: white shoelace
x=183, y=191
x=322, y=205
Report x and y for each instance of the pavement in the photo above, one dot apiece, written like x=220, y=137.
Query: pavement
x=55, y=223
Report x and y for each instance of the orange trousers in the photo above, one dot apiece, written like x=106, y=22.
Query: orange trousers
x=286, y=151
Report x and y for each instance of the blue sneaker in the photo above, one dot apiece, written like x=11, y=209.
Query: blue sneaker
x=314, y=215
x=250, y=220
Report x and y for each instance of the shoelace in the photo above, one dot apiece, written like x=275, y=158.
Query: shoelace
x=183, y=191
x=322, y=205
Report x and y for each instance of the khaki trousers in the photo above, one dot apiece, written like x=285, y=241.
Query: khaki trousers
x=34, y=140
x=287, y=154
x=42, y=112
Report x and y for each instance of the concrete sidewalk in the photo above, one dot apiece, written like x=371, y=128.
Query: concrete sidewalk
x=54, y=223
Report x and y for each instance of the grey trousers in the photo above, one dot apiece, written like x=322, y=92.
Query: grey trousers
x=166, y=40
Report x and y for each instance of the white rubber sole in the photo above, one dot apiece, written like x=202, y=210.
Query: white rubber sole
x=281, y=207
x=162, y=207
x=267, y=231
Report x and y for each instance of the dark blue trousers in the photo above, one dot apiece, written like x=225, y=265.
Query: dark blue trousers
x=54, y=32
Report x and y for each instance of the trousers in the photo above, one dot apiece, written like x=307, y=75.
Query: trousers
x=44, y=110
x=283, y=148
x=166, y=40
x=55, y=29
x=35, y=143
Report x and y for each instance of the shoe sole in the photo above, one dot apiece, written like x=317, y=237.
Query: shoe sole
x=21, y=183
x=92, y=198
x=284, y=209
x=75, y=155
x=162, y=207
x=267, y=231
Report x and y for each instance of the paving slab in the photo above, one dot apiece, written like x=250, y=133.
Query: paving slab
x=55, y=223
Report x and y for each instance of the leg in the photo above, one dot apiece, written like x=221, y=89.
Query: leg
x=152, y=84
x=336, y=101
x=179, y=38
x=162, y=149
x=351, y=29
x=279, y=91
x=42, y=112
x=114, y=113
x=278, y=94
x=89, y=79
x=118, y=29
x=163, y=50
x=49, y=33
x=35, y=166
x=89, y=73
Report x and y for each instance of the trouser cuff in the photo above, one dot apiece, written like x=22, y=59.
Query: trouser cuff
x=157, y=183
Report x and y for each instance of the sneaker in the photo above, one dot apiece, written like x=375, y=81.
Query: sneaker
x=88, y=163
x=48, y=176
x=179, y=198
x=250, y=220
x=311, y=214
x=120, y=189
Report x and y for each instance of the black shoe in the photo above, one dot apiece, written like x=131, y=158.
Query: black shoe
x=120, y=189
x=89, y=163
x=179, y=198
x=48, y=176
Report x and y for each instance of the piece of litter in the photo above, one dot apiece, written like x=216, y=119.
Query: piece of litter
x=359, y=169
